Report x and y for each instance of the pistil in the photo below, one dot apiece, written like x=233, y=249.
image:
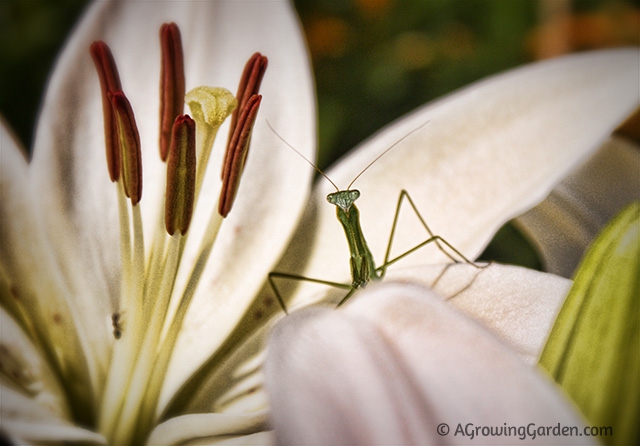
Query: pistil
x=210, y=107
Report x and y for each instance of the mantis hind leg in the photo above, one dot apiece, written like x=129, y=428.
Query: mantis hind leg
x=287, y=276
x=433, y=238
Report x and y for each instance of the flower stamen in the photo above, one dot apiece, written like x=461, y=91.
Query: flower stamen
x=249, y=85
x=181, y=175
x=109, y=83
x=172, y=83
x=236, y=154
x=130, y=153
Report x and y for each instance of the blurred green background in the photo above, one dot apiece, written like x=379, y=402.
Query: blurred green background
x=374, y=60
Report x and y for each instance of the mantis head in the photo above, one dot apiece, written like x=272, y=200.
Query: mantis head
x=343, y=198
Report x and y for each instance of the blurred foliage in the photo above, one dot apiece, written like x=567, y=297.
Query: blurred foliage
x=374, y=60
x=31, y=34
x=511, y=247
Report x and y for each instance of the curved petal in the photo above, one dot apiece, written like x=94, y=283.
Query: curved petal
x=78, y=200
x=253, y=439
x=516, y=304
x=397, y=363
x=24, y=419
x=565, y=224
x=188, y=429
x=488, y=153
x=35, y=294
x=76, y=211
x=234, y=385
x=25, y=370
x=18, y=223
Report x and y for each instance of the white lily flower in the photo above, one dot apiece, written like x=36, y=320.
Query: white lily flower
x=60, y=251
x=60, y=259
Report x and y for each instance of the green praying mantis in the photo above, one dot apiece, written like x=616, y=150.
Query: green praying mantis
x=362, y=264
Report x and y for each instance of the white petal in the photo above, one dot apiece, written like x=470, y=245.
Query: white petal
x=518, y=305
x=212, y=427
x=488, y=153
x=566, y=223
x=29, y=270
x=394, y=365
x=66, y=176
x=18, y=225
x=24, y=419
x=234, y=385
x=24, y=368
x=247, y=440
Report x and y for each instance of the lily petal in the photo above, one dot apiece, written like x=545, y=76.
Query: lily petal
x=488, y=153
x=18, y=256
x=37, y=301
x=565, y=224
x=188, y=429
x=233, y=387
x=24, y=369
x=76, y=210
x=516, y=304
x=396, y=363
x=25, y=420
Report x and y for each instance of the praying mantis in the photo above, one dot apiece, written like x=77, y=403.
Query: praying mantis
x=362, y=264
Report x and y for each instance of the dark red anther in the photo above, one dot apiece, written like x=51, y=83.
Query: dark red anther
x=172, y=84
x=236, y=154
x=109, y=83
x=181, y=176
x=129, y=140
x=250, y=81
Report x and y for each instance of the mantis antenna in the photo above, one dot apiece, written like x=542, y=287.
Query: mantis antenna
x=302, y=156
x=385, y=152
x=362, y=171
